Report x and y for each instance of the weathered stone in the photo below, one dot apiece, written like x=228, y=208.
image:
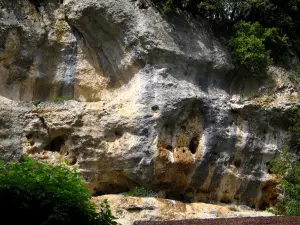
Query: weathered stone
x=153, y=102
x=130, y=209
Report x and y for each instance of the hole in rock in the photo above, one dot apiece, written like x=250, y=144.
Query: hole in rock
x=155, y=108
x=225, y=200
x=118, y=133
x=135, y=210
x=109, y=188
x=29, y=136
x=234, y=111
x=145, y=132
x=237, y=162
x=142, y=5
x=194, y=145
x=56, y=144
x=73, y=161
x=263, y=206
x=169, y=147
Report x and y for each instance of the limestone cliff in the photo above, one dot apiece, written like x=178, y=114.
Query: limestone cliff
x=151, y=101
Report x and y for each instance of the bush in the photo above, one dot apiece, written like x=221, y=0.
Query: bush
x=248, y=48
x=254, y=47
x=291, y=187
x=288, y=166
x=40, y=193
x=36, y=102
x=105, y=216
x=141, y=192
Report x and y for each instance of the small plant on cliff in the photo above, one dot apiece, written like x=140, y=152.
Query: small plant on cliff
x=40, y=193
x=105, y=216
x=141, y=192
x=36, y=102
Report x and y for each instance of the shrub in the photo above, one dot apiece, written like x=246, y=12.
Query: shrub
x=40, y=193
x=248, y=49
x=291, y=187
x=254, y=47
x=282, y=164
x=288, y=166
x=105, y=216
x=36, y=102
x=141, y=192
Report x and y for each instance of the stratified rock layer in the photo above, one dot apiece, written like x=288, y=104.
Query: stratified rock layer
x=130, y=209
x=153, y=102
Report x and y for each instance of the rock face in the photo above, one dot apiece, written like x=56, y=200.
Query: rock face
x=153, y=101
x=131, y=209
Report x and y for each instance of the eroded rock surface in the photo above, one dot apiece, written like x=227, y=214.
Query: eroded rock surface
x=130, y=209
x=153, y=102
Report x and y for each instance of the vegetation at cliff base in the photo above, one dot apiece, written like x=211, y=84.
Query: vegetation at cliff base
x=287, y=165
x=258, y=32
x=42, y=194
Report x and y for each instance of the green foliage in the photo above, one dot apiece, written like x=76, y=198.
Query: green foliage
x=168, y=6
x=248, y=47
x=295, y=119
x=291, y=187
x=36, y=102
x=277, y=45
x=253, y=46
x=295, y=128
x=141, y=192
x=40, y=193
x=282, y=165
x=288, y=166
x=105, y=216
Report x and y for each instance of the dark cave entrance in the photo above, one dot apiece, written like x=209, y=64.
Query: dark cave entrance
x=194, y=145
x=56, y=144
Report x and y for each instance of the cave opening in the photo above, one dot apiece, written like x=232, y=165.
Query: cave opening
x=119, y=132
x=56, y=144
x=155, y=108
x=194, y=145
